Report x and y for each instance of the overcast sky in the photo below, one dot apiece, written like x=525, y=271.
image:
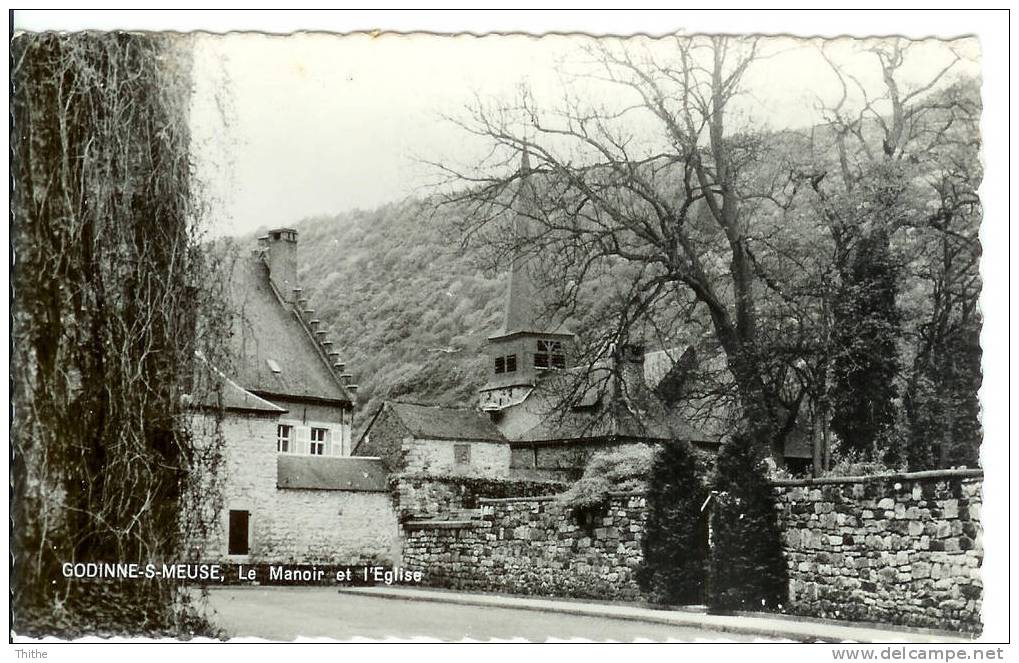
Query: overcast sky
x=294, y=126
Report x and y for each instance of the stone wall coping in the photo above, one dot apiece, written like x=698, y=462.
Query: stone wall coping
x=510, y=500
x=442, y=524
x=454, y=478
x=890, y=476
x=548, y=498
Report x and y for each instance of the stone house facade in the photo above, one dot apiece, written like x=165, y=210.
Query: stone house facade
x=290, y=491
x=422, y=439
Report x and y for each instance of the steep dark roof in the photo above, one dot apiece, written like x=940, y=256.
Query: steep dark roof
x=652, y=423
x=366, y=475
x=267, y=329
x=659, y=364
x=522, y=312
x=217, y=390
x=445, y=423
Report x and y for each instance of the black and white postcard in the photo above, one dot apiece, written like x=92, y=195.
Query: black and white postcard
x=682, y=334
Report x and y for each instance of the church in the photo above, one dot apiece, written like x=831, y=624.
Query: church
x=547, y=412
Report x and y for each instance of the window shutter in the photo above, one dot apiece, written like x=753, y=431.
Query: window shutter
x=344, y=434
x=303, y=439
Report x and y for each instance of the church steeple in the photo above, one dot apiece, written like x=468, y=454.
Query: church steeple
x=526, y=346
x=521, y=312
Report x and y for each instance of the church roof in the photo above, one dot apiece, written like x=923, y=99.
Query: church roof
x=520, y=298
x=445, y=423
x=274, y=350
x=629, y=425
x=612, y=418
x=587, y=403
x=658, y=364
x=356, y=474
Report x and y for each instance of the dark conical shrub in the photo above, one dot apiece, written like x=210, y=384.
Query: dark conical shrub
x=748, y=571
x=868, y=324
x=675, y=541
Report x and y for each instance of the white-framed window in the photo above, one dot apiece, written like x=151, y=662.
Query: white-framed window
x=319, y=438
x=284, y=438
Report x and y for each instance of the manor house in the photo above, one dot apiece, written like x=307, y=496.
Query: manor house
x=290, y=489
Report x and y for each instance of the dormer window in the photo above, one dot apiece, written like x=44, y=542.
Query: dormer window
x=549, y=355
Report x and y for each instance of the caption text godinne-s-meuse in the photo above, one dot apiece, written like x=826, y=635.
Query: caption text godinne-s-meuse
x=215, y=573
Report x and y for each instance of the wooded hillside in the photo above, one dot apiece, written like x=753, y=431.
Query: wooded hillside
x=862, y=265
x=409, y=309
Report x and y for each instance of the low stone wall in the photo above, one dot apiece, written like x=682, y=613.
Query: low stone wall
x=424, y=496
x=533, y=546
x=900, y=549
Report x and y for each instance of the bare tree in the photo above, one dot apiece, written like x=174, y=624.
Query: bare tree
x=905, y=167
x=659, y=187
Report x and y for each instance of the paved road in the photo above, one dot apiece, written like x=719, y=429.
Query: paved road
x=284, y=613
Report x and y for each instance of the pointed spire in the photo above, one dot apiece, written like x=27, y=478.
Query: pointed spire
x=520, y=300
x=525, y=162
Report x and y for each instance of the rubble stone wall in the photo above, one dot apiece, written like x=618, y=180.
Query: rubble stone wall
x=445, y=496
x=896, y=549
x=534, y=546
x=902, y=549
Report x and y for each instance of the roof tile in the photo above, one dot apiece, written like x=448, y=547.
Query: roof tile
x=365, y=475
x=446, y=423
x=267, y=332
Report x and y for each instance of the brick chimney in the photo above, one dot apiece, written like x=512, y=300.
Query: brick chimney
x=281, y=258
